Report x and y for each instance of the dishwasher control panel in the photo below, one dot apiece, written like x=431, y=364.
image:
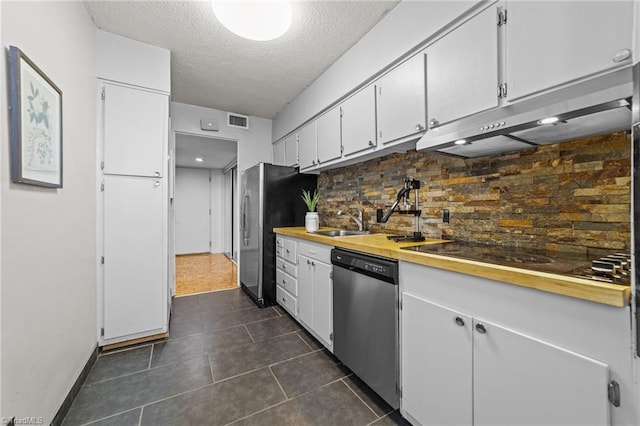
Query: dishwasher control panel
x=377, y=267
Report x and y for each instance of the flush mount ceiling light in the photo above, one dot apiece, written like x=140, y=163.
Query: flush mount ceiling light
x=548, y=120
x=199, y=160
x=461, y=142
x=254, y=20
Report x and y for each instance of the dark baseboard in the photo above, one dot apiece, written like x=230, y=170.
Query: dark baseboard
x=71, y=396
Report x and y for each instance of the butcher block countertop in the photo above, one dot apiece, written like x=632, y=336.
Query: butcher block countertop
x=378, y=244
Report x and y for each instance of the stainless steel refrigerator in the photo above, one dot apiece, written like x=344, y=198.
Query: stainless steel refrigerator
x=635, y=138
x=270, y=198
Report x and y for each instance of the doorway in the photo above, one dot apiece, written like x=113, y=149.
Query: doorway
x=203, y=214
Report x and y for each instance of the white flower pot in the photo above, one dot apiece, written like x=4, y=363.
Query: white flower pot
x=312, y=221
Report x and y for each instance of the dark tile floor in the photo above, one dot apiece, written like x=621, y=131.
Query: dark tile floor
x=227, y=362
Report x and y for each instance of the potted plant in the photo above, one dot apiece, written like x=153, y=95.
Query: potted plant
x=311, y=220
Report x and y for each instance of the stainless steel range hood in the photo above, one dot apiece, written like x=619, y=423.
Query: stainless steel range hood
x=594, y=107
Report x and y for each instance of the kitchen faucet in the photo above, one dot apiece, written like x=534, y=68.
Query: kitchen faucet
x=358, y=220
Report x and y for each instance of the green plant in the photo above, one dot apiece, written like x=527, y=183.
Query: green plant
x=311, y=202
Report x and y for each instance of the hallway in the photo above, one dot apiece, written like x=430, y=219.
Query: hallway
x=200, y=273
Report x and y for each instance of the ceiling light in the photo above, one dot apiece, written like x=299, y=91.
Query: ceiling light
x=548, y=120
x=255, y=20
x=461, y=142
x=199, y=160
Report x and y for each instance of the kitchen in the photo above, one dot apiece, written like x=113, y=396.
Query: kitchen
x=296, y=115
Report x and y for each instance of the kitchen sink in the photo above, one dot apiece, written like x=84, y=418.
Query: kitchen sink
x=340, y=233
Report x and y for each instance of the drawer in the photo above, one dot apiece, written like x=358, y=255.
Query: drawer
x=287, y=301
x=289, y=250
x=321, y=252
x=279, y=252
x=287, y=282
x=287, y=267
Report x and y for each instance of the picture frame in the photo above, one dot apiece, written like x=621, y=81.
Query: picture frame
x=35, y=122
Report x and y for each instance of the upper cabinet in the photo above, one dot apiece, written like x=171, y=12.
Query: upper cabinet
x=553, y=43
x=278, y=153
x=401, y=101
x=133, y=142
x=291, y=151
x=307, y=154
x=462, y=70
x=359, y=121
x=329, y=140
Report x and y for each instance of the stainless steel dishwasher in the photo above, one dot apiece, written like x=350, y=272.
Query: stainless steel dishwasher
x=365, y=319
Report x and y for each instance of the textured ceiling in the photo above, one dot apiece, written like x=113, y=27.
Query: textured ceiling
x=217, y=153
x=211, y=67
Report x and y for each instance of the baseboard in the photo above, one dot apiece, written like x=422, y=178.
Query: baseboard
x=71, y=396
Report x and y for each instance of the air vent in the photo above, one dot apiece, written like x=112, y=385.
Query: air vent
x=237, y=120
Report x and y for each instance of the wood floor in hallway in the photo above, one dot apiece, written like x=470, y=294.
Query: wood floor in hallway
x=198, y=273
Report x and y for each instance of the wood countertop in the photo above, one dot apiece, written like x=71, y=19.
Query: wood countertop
x=378, y=244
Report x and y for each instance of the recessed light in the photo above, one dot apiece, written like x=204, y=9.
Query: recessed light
x=199, y=160
x=254, y=20
x=548, y=120
x=461, y=142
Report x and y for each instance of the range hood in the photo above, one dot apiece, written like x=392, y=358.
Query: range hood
x=598, y=106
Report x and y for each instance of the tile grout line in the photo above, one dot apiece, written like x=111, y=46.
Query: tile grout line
x=380, y=418
x=213, y=377
x=109, y=416
x=140, y=419
x=358, y=396
x=250, y=335
x=305, y=342
x=286, y=397
x=151, y=356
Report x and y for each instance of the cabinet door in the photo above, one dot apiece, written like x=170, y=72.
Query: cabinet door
x=462, y=70
x=323, y=302
x=436, y=363
x=401, y=101
x=329, y=140
x=520, y=380
x=359, y=121
x=135, y=131
x=291, y=151
x=305, y=291
x=133, y=251
x=551, y=43
x=278, y=153
x=307, y=154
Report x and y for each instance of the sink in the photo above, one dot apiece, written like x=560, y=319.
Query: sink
x=340, y=233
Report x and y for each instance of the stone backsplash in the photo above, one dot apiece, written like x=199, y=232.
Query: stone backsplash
x=573, y=196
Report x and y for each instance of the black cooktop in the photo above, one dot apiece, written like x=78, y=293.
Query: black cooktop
x=537, y=260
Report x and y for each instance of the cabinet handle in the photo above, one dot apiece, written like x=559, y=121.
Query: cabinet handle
x=481, y=329
x=313, y=263
x=419, y=127
x=433, y=123
x=313, y=162
x=621, y=55
x=318, y=161
x=156, y=184
x=460, y=321
x=157, y=174
x=308, y=262
x=284, y=266
x=370, y=143
x=284, y=281
x=284, y=299
x=287, y=250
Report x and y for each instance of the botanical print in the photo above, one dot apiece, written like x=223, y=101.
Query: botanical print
x=40, y=133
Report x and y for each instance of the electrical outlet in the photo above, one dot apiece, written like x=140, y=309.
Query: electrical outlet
x=379, y=215
x=445, y=215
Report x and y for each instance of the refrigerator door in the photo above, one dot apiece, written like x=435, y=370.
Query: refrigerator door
x=251, y=208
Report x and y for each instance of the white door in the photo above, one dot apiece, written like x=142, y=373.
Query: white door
x=359, y=121
x=520, y=380
x=401, y=101
x=278, y=153
x=307, y=154
x=305, y=290
x=436, y=363
x=133, y=255
x=551, y=43
x=329, y=140
x=462, y=70
x=191, y=205
x=323, y=302
x=291, y=151
x=134, y=142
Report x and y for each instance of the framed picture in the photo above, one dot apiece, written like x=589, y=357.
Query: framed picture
x=35, y=121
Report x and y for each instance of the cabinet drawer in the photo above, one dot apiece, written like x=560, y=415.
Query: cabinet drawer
x=289, y=250
x=287, y=301
x=321, y=252
x=287, y=282
x=287, y=267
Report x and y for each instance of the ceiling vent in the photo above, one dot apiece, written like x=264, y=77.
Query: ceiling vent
x=209, y=124
x=237, y=120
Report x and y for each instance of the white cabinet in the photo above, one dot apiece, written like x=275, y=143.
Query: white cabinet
x=287, y=274
x=401, y=101
x=329, y=137
x=278, y=153
x=552, y=43
x=315, y=291
x=307, y=154
x=359, y=121
x=462, y=70
x=134, y=252
x=135, y=126
x=291, y=151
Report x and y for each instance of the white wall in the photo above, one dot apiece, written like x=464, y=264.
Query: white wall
x=407, y=25
x=48, y=262
x=218, y=206
x=191, y=206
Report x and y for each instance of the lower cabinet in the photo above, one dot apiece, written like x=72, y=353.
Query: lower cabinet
x=460, y=370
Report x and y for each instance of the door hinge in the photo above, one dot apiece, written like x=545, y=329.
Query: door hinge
x=103, y=95
x=102, y=165
x=400, y=303
x=102, y=260
x=614, y=393
x=380, y=90
x=331, y=275
x=209, y=211
x=341, y=149
x=331, y=336
x=399, y=390
x=502, y=17
x=102, y=331
x=102, y=187
x=341, y=112
x=209, y=244
x=502, y=90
